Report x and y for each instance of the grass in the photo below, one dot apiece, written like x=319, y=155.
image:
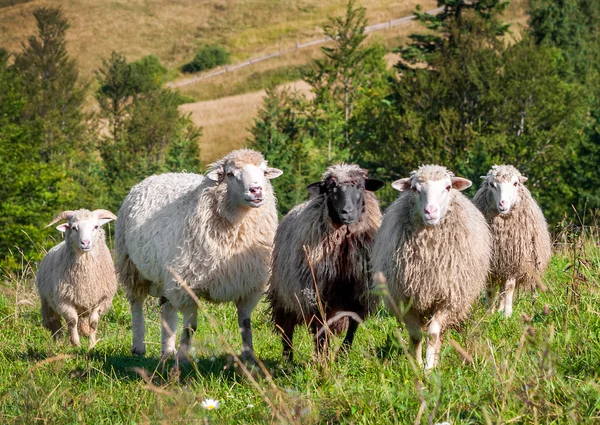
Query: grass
x=539, y=366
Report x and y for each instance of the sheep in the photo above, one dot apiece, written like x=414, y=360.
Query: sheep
x=321, y=257
x=76, y=278
x=434, y=251
x=522, y=246
x=211, y=235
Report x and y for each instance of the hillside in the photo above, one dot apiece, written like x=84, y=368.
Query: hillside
x=173, y=30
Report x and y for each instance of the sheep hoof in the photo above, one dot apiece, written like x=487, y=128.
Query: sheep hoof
x=138, y=351
x=181, y=358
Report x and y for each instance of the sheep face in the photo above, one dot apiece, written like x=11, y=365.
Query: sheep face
x=432, y=186
x=345, y=199
x=246, y=183
x=506, y=193
x=83, y=230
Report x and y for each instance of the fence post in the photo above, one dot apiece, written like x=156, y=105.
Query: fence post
x=296, y=44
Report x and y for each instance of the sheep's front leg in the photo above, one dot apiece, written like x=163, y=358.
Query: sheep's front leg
x=51, y=319
x=492, y=297
x=138, y=326
x=413, y=325
x=168, y=328
x=434, y=340
x=245, y=308
x=190, y=324
x=71, y=316
x=286, y=325
x=509, y=290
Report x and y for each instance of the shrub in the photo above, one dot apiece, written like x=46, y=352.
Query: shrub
x=208, y=57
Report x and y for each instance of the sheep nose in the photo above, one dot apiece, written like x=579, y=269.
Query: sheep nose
x=502, y=202
x=85, y=242
x=256, y=191
x=430, y=209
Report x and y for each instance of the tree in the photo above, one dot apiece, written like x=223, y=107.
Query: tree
x=347, y=67
x=49, y=77
x=280, y=133
x=147, y=134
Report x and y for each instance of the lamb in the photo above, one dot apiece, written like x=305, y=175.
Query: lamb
x=433, y=249
x=522, y=246
x=321, y=257
x=209, y=234
x=76, y=278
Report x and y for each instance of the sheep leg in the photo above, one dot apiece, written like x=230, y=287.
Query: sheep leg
x=71, y=316
x=190, y=324
x=509, y=290
x=51, y=319
x=93, y=326
x=168, y=329
x=413, y=325
x=286, y=325
x=138, y=327
x=245, y=308
x=349, y=338
x=320, y=333
x=434, y=341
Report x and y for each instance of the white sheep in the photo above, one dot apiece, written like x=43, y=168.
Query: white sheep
x=433, y=248
x=522, y=246
x=213, y=233
x=76, y=278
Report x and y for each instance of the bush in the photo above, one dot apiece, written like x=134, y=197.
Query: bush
x=208, y=57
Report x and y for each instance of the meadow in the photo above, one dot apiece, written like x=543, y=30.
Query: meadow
x=539, y=366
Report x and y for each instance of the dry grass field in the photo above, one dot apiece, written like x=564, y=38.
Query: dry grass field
x=173, y=30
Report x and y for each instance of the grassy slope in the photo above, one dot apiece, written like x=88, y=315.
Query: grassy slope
x=173, y=30
x=544, y=371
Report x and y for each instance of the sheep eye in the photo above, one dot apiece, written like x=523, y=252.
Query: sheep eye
x=96, y=227
x=230, y=173
x=515, y=184
x=448, y=188
x=74, y=228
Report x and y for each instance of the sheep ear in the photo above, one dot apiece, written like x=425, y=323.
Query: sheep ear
x=273, y=173
x=63, y=227
x=103, y=221
x=216, y=174
x=402, y=185
x=522, y=179
x=314, y=188
x=460, y=183
x=373, y=185
x=482, y=177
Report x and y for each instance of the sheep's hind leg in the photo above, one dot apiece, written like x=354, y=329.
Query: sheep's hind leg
x=138, y=326
x=93, y=327
x=190, y=324
x=413, y=325
x=51, y=319
x=168, y=328
x=349, y=338
x=245, y=308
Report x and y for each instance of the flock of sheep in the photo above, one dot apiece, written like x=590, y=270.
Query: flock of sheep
x=183, y=236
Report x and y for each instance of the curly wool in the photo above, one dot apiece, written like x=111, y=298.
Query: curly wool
x=521, y=243
x=434, y=268
x=183, y=221
x=82, y=280
x=308, y=242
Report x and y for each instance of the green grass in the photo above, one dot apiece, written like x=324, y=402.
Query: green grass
x=543, y=368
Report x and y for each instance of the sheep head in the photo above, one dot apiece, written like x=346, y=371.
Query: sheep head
x=504, y=183
x=83, y=229
x=246, y=175
x=432, y=186
x=344, y=188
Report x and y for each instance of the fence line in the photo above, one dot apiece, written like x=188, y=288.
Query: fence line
x=375, y=27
